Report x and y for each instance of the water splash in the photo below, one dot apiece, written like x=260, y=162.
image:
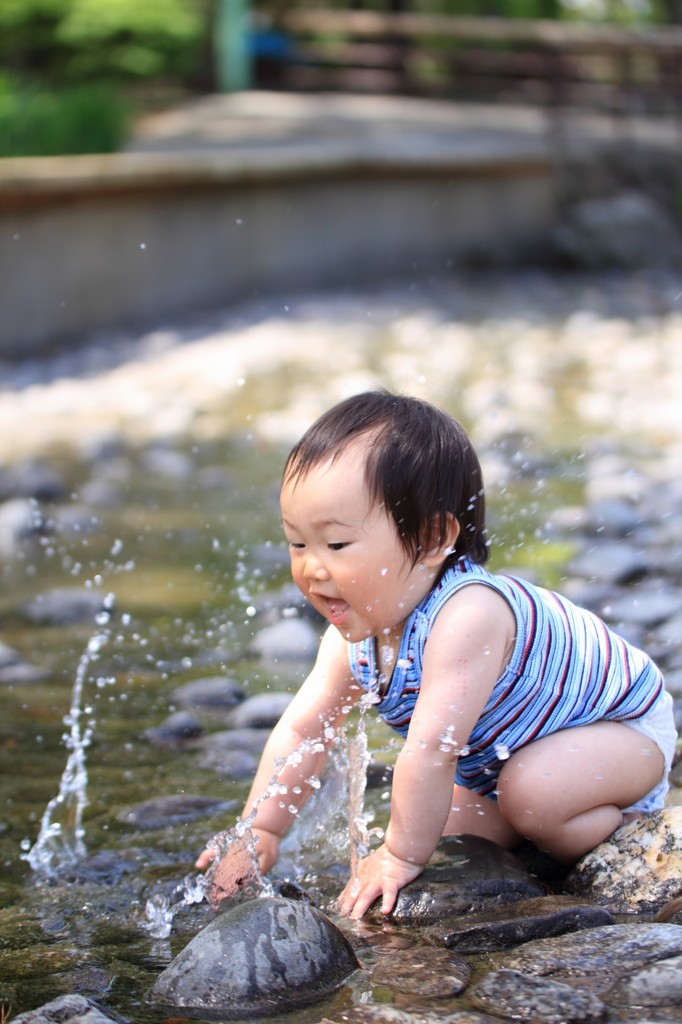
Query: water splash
x=61, y=839
x=358, y=762
x=160, y=911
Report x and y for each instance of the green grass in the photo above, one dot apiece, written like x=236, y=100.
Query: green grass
x=83, y=119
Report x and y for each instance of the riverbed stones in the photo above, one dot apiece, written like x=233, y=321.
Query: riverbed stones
x=73, y=1009
x=540, y=1000
x=465, y=874
x=426, y=972
x=596, y=958
x=287, y=640
x=638, y=868
x=210, y=692
x=62, y=606
x=261, y=711
x=507, y=926
x=257, y=958
x=166, y=811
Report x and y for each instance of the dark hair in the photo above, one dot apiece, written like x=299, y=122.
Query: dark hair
x=420, y=464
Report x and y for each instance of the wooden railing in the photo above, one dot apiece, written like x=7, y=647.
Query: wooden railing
x=544, y=62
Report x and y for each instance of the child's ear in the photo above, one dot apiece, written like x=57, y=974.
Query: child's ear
x=444, y=545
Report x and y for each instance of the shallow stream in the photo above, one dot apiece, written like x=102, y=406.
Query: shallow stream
x=170, y=512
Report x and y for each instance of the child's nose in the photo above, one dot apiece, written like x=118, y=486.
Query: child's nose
x=315, y=569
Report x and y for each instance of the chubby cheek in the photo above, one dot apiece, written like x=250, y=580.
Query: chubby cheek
x=297, y=574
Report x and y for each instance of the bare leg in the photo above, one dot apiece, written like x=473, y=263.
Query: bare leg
x=565, y=791
x=475, y=815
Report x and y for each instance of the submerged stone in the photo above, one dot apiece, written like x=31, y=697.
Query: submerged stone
x=507, y=926
x=465, y=874
x=540, y=1000
x=163, y=811
x=72, y=1009
x=427, y=972
x=258, y=958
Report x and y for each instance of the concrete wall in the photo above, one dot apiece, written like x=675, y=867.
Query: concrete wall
x=93, y=242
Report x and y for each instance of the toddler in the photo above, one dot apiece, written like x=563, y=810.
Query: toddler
x=523, y=715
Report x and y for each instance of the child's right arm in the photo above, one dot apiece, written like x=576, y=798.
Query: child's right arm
x=299, y=744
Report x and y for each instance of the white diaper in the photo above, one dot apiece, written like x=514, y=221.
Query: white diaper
x=659, y=726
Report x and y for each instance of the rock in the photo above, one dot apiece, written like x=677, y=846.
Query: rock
x=610, y=562
x=638, y=868
x=15, y=671
x=260, y=712
x=65, y=1010
x=20, y=520
x=258, y=958
x=542, y=1001
x=288, y=640
x=514, y=923
x=209, y=692
x=429, y=973
x=177, y=729
x=160, y=812
x=598, y=957
x=64, y=606
x=645, y=606
x=657, y=985
x=465, y=874
x=629, y=229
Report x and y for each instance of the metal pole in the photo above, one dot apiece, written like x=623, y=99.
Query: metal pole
x=232, y=45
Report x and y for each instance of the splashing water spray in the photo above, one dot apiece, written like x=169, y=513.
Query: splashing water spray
x=242, y=873
x=60, y=843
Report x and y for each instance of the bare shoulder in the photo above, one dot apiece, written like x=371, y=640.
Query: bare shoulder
x=477, y=621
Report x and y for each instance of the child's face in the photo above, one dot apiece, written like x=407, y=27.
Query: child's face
x=346, y=555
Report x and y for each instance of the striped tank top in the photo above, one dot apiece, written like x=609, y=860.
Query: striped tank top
x=567, y=669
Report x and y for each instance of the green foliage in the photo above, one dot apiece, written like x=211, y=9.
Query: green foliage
x=39, y=122
x=70, y=40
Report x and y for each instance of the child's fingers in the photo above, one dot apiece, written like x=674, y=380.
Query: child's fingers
x=204, y=859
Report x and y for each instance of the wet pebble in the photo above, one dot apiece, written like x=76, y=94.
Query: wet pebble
x=232, y=753
x=177, y=729
x=209, y=692
x=14, y=671
x=543, y=1001
x=161, y=812
x=288, y=640
x=508, y=926
x=21, y=519
x=64, y=606
x=262, y=711
x=427, y=972
x=72, y=1009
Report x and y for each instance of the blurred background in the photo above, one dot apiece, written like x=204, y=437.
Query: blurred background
x=75, y=74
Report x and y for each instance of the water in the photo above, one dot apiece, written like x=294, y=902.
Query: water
x=61, y=840
x=186, y=534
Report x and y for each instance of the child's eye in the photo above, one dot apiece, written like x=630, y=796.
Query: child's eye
x=296, y=544
x=337, y=546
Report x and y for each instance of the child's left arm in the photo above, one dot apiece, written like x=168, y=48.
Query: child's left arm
x=464, y=656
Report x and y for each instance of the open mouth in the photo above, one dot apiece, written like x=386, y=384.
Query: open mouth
x=336, y=608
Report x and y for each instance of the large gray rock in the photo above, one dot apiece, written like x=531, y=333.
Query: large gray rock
x=638, y=868
x=465, y=874
x=258, y=958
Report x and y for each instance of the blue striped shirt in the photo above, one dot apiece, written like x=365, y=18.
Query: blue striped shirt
x=567, y=669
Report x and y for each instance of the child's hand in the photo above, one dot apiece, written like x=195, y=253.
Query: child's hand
x=380, y=874
x=237, y=869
